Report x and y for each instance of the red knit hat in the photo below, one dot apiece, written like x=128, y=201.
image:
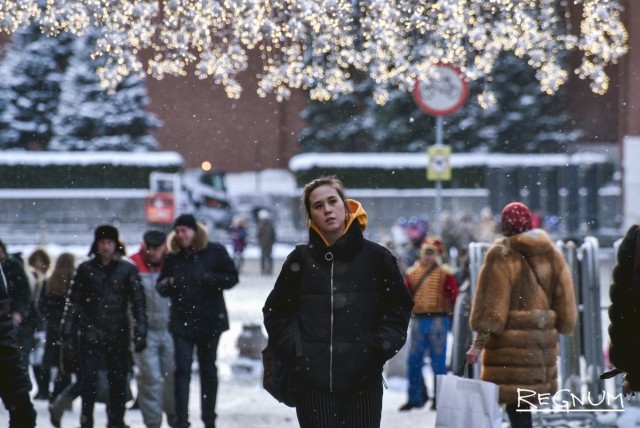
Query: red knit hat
x=432, y=243
x=515, y=218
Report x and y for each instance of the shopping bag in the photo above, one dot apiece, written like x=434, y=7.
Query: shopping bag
x=465, y=403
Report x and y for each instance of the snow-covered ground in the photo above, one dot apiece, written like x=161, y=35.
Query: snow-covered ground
x=242, y=403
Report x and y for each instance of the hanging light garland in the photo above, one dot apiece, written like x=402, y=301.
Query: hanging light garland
x=320, y=44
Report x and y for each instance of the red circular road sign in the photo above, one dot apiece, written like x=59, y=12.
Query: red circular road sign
x=444, y=94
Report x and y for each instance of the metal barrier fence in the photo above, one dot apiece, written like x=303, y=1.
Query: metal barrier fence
x=581, y=355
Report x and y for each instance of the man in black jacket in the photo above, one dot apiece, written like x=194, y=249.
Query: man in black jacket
x=20, y=300
x=193, y=275
x=97, y=310
x=14, y=379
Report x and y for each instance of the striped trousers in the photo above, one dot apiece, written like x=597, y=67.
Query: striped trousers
x=359, y=408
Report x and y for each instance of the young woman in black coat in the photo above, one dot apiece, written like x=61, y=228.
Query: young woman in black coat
x=346, y=296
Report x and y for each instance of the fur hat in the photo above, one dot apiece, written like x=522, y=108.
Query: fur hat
x=432, y=243
x=187, y=220
x=515, y=219
x=106, y=231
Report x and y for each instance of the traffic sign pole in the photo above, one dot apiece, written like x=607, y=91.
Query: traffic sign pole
x=440, y=97
x=438, y=207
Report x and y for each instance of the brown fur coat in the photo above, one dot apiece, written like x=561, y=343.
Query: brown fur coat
x=523, y=310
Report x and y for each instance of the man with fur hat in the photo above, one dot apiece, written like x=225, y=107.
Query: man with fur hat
x=97, y=311
x=434, y=290
x=524, y=300
x=194, y=274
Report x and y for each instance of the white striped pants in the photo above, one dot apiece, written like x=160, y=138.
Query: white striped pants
x=359, y=408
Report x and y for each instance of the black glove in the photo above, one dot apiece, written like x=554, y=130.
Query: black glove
x=139, y=344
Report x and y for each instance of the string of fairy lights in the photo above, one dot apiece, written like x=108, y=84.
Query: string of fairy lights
x=321, y=45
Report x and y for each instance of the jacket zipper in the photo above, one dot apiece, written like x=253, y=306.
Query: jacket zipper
x=329, y=257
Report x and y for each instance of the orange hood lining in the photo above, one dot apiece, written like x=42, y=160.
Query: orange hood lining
x=355, y=212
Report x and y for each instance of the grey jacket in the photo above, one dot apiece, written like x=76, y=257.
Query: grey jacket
x=157, y=306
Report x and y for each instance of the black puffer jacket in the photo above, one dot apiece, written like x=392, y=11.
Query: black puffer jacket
x=352, y=305
x=14, y=378
x=200, y=275
x=624, y=311
x=18, y=286
x=98, y=303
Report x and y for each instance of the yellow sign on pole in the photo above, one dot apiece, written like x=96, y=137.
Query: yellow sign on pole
x=439, y=166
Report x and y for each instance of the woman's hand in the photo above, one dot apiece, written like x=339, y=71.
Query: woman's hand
x=472, y=355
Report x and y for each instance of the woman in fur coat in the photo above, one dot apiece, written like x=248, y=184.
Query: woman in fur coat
x=524, y=299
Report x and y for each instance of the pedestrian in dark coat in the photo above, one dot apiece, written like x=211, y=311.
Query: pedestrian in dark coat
x=51, y=305
x=194, y=274
x=523, y=301
x=348, y=298
x=38, y=264
x=624, y=312
x=14, y=378
x=98, y=308
x=20, y=301
x=266, y=238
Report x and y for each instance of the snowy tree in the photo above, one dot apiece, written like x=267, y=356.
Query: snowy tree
x=521, y=120
x=30, y=76
x=91, y=119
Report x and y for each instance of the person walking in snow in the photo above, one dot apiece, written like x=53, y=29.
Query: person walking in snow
x=434, y=290
x=98, y=309
x=194, y=274
x=624, y=313
x=156, y=362
x=238, y=234
x=266, y=238
x=51, y=305
x=345, y=296
x=524, y=299
x=15, y=384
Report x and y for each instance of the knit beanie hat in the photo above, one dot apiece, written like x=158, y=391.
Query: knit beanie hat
x=432, y=243
x=187, y=220
x=515, y=219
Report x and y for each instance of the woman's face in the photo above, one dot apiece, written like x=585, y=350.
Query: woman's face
x=327, y=211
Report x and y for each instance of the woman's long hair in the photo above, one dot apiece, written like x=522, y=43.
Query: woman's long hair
x=60, y=278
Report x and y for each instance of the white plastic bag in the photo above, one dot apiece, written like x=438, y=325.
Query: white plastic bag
x=465, y=403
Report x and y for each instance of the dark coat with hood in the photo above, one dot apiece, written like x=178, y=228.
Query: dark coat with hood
x=14, y=378
x=624, y=311
x=351, y=304
x=98, y=304
x=200, y=275
x=524, y=299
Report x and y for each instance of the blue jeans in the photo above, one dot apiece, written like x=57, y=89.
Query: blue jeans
x=155, y=378
x=428, y=334
x=207, y=348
